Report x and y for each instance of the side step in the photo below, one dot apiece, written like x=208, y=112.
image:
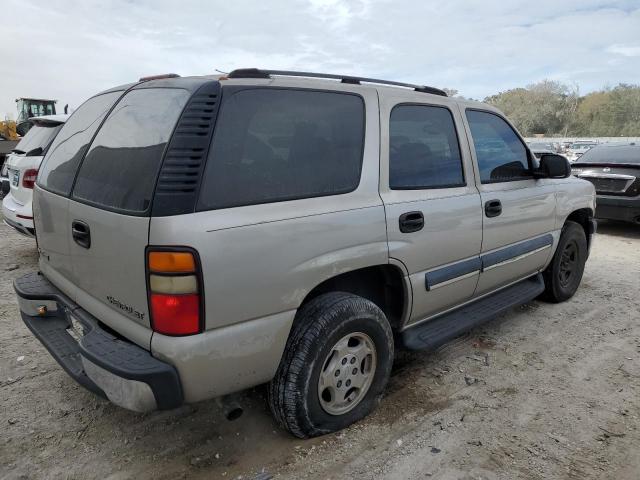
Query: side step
x=435, y=332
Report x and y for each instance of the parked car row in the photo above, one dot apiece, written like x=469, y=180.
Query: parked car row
x=579, y=148
x=572, y=150
x=19, y=172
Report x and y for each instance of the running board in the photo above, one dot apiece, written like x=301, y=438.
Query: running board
x=435, y=332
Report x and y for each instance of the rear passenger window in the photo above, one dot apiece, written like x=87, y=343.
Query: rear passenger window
x=61, y=163
x=501, y=155
x=423, y=148
x=273, y=145
x=120, y=169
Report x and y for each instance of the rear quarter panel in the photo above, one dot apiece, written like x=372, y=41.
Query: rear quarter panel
x=269, y=265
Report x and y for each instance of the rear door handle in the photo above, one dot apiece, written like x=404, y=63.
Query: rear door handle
x=493, y=208
x=81, y=233
x=411, y=222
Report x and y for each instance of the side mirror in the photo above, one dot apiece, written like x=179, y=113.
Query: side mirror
x=553, y=166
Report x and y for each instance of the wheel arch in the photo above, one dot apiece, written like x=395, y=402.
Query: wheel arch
x=386, y=285
x=583, y=217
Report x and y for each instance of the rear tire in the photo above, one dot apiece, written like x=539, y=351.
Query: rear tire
x=337, y=338
x=563, y=275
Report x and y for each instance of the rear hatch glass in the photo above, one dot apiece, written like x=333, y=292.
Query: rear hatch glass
x=121, y=166
x=38, y=137
x=625, y=154
x=61, y=162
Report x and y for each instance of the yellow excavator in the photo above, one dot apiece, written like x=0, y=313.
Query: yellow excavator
x=8, y=140
x=8, y=130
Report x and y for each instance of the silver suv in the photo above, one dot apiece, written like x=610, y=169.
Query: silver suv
x=202, y=235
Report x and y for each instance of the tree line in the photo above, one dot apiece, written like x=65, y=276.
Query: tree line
x=553, y=108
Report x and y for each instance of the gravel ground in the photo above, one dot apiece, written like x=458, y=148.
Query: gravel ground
x=545, y=391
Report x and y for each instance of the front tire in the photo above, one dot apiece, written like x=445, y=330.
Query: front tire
x=563, y=275
x=335, y=367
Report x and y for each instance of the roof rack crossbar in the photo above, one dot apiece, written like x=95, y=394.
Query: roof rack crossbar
x=259, y=73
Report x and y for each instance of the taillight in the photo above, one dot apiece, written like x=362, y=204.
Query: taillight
x=175, y=296
x=29, y=178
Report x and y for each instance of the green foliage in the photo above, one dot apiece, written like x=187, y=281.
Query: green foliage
x=552, y=108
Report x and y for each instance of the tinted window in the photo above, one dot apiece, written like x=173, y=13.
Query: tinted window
x=61, y=162
x=120, y=169
x=423, y=148
x=276, y=144
x=612, y=154
x=501, y=154
x=38, y=136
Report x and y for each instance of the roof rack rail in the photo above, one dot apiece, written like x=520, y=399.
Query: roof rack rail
x=259, y=73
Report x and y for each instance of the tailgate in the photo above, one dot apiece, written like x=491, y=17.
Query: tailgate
x=110, y=204
x=109, y=265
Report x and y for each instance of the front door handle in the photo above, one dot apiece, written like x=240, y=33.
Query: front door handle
x=493, y=208
x=81, y=233
x=411, y=222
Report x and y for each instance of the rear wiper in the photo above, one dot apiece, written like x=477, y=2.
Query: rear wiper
x=35, y=152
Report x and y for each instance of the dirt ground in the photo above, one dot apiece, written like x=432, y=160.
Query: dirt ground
x=545, y=391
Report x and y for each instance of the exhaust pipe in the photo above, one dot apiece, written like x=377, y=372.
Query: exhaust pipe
x=230, y=407
x=637, y=220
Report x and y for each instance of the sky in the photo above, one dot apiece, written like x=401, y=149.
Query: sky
x=71, y=49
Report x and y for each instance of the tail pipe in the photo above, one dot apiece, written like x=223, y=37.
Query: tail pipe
x=230, y=406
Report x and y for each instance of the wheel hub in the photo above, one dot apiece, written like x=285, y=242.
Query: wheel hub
x=568, y=263
x=347, y=373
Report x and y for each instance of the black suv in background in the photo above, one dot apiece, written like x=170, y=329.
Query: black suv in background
x=614, y=169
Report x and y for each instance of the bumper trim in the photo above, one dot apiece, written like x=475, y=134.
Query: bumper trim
x=26, y=231
x=622, y=208
x=116, y=368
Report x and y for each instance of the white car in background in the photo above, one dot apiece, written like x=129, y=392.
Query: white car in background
x=577, y=149
x=21, y=169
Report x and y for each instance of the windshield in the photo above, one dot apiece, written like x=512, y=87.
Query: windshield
x=39, y=136
x=618, y=154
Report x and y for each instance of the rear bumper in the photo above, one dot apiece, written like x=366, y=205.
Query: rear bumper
x=618, y=208
x=13, y=214
x=97, y=359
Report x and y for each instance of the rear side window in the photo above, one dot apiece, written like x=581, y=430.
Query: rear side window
x=423, y=148
x=501, y=155
x=273, y=145
x=61, y=162
x=121, y=166
x=38, y=136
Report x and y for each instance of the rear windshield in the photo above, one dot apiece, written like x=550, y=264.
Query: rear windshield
x=273, y=145
x=618, y=154
x=121, y=166
x=61, y=162
x=38, y=136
